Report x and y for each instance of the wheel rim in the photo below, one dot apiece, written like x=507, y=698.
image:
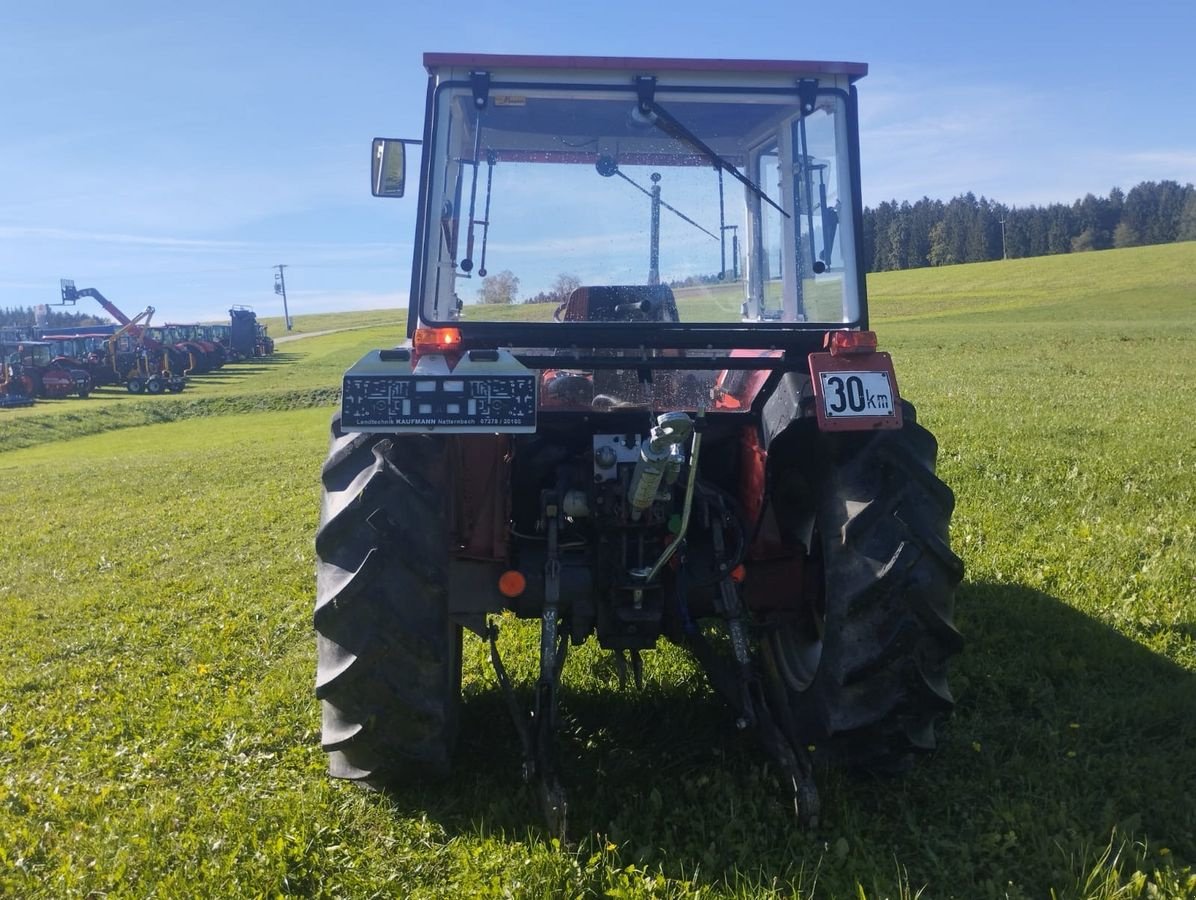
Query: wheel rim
x=797, y=648
x=796, y=642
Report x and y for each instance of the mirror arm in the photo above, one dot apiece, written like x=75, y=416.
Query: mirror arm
x=491, y=159
x=480, y=82
x=722, y=230
x=807, y=183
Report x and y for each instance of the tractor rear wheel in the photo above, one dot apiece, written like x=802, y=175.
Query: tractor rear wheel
x=136, y=384
x=389, y=659
x=864, y=669
x=154, y=385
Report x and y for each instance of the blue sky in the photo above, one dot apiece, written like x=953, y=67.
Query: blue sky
x=171, y=154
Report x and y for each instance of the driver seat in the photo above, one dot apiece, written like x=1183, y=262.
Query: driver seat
x=621, y=303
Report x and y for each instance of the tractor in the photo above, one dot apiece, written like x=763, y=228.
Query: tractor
x=31, y=370
x=653, y=410
x=200, y=341
x=185, y=352
x=264, y=345
x=15, y=390
x=221, y=335
x=84, y=351
x=207, y=336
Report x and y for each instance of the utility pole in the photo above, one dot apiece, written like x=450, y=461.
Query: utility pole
x=654, y=233
x=280, y=287
x=1004, y=252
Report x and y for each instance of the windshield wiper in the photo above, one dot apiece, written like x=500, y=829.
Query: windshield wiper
x=666, y=122
x=607, y=166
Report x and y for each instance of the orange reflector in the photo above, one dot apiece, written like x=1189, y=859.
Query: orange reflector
x=739, y=573
x=511, y=583
x=852, y=343
x=436, y=340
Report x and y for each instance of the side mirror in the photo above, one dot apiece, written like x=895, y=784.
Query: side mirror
x=388, y=166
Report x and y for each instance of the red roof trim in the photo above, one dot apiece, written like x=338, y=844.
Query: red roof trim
x=434, y=61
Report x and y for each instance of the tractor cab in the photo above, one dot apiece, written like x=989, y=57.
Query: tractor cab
x=667, y=208
x=32, y=354
x=736, y=189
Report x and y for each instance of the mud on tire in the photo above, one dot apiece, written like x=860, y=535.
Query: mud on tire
x=389, y=660
x=865, y=675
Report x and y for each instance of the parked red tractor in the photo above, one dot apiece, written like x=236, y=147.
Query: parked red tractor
x=31, y=370
x=88, y=352
x=697, y=439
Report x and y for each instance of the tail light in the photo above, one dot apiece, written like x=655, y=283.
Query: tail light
x=852, y=343
x=436, y=340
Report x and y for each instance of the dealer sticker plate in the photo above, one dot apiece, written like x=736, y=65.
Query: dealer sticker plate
x=855, y=392
x=469, y=403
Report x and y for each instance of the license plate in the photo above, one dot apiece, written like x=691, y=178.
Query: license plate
x=855, y=393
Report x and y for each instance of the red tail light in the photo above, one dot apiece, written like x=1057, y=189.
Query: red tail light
x=852, y=343
x=436, y=340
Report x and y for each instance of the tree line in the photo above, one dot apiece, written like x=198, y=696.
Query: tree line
x=26, y=317
x=966, y=229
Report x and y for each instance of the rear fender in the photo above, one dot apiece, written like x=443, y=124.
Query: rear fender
x=776, y=462
x=481, y=500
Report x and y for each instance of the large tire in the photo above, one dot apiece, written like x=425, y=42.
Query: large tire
x=389, y=660
x=865, y=673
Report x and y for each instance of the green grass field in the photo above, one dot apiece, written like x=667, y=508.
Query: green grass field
x=311, y=322
x=159, y=737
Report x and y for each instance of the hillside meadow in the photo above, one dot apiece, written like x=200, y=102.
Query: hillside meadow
x=159, y=736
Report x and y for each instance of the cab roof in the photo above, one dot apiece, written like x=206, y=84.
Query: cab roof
x=436, y=61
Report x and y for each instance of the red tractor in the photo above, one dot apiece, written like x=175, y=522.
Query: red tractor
x=221, y=335
x=84, y=351
x=181, y=353
x=685, y=432
x=31, y=370
x=203, y=354
x=207, y=337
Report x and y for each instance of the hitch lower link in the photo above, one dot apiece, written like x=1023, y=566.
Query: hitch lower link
x=752, y=697
x=537, y=731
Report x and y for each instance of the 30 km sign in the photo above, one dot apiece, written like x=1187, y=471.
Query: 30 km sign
x=855, y=392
